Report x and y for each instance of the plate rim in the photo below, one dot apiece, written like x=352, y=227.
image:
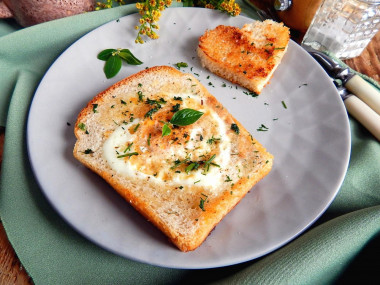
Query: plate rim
x=78, y=230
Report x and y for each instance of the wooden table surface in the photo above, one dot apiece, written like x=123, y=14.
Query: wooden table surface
x=12, y=271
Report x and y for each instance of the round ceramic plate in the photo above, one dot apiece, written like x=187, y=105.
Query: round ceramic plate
x=299, y=118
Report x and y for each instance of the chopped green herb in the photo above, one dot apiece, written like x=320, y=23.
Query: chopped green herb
x=175, y=108
x=284, y=105
x=209, y=162
x=123, y=102
x=192, y=166
x=178, y=98
x=202, y=202
x=128, y=147
x=140, y=94
x=253, y=94
x=156, y=102
x=82, y=126
x=263, y=128
x=235, y=128
x=127, y=154
x=151, y=112
x=94, y=107
x=179, y=162
x=212, y=140
x=305, y=84
x=181, y=64
x=149, y=139
x=136, y=127
x=228, y=179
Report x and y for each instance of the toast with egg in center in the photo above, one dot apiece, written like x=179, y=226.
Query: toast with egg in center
x=247, y=56
x=185, y=181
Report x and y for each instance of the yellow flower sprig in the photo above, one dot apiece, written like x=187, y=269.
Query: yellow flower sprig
x=228, y=6
x=105, y=4
x=150, y=12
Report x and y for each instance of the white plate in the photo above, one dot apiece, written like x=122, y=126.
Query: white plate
x=310, y=141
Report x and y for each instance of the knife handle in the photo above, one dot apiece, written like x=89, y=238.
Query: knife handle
x=364, y=114
x=365, y=91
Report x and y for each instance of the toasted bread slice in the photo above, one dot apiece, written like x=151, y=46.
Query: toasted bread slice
x=184, y=182
x=246, y=56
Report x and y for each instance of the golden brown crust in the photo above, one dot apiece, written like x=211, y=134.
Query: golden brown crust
x=246, y=56
x=167, y=200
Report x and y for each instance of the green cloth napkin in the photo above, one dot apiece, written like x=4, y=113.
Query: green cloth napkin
x=338, y=248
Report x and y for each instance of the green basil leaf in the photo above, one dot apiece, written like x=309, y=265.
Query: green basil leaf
x=185, y=117
x=166, y=130
x=105, y=54
x=129, y=57
x=112, y=66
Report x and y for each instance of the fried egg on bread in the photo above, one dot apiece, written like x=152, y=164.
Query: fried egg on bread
x=184, y=182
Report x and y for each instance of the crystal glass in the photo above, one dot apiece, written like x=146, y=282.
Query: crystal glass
x=343, y=27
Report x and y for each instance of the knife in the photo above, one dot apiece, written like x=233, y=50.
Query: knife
x=363, y=106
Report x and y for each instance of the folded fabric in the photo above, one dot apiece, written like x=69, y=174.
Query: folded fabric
x=53, y=253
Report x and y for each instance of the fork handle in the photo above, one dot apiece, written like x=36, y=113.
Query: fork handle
x=364, y=114
x=365, y=91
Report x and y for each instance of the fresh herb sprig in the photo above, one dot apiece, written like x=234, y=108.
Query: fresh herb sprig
x=114, y=60
x=181, y=118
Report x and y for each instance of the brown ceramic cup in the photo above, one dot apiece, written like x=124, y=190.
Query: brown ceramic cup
x=31, y=12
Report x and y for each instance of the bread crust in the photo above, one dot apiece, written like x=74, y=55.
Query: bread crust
x=170, y=199
x=247, y=56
